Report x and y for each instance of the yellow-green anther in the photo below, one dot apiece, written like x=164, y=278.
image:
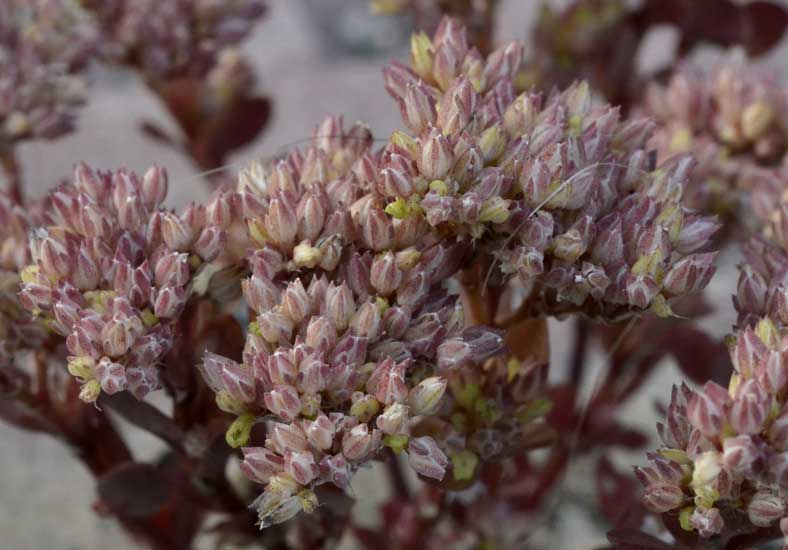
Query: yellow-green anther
x=495, y=210
x=440, y=187
x=90, y=391
x=82, y=367
x=685, y=516
x=421, y=55
x=767, y=332
x=398, y=209
x=365, y=408
x=403, y=140
x=464, y=465
x=148, y=318
x=239, y=431
x=396, y=443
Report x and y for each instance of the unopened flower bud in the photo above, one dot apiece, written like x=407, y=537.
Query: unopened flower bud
x=426, y=458
x=260, y=464
x=393, y=419
x=284, y=402
x=425, y=398
x=765, y=508
x=359, y=443
x=301, y=466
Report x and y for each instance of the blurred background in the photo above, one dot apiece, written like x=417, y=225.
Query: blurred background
x=312, y=58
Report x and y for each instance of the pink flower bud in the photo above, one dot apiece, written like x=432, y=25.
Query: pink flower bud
x=765, y=508
x=417, y=107
x=739, y=454
x=696, y=232
x=661, y=498
x=154, y=186
x=320, y=432
x=748, y=352
x=172, y=269
x=690, y=274
x=377, y=230
x=395, y=321
x=86, y=274
x=414, y=290
x=295, y=302
x=358, y=443
x=117, y=336
x=140, y=381
x=236, y=380
x=385, y=275
x=457, y=107
x=301, y=466
x=281, y=369
x=350, y=350
x=336, y=470
x=211, y=242
x=86, y=180
x=177, y=235
x=750, y=407
x=265, y=262
x=260, y=464
x=55, y=258
x=705, y=409
x=387, y=382
x=773, y=373
x=284, y=438
x=367, y=322
x=640, y=291
x=313, y=375
x=321, y=334
x=112, y=376
x=284, y=402
x=339, y=305
x=281, y=222
x=260, y=293
x=707, y=521
x=311, y=213
x=94, y=220
x=436, y=156
x=426, y=458
x=169, y=302
x=395, y=183
x=396, y=78
x=274, y=326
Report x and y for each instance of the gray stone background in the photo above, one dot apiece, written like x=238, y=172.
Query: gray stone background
x=45, y=494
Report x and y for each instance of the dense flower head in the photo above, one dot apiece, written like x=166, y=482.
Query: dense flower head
x=733, y=119
x=42, y=44
x=560, y=192
x=175, y=37
x=111, y=270
x=723, y=448
x=354, y=331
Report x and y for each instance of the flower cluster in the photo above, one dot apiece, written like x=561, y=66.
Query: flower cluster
x=354, y=326
x=733, y=120
x=42, y=43
x=172, y=38
x=725, y=449
x=561, y=193
x=111, y=270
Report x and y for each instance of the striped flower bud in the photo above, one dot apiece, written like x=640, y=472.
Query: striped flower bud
x=426, y=458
